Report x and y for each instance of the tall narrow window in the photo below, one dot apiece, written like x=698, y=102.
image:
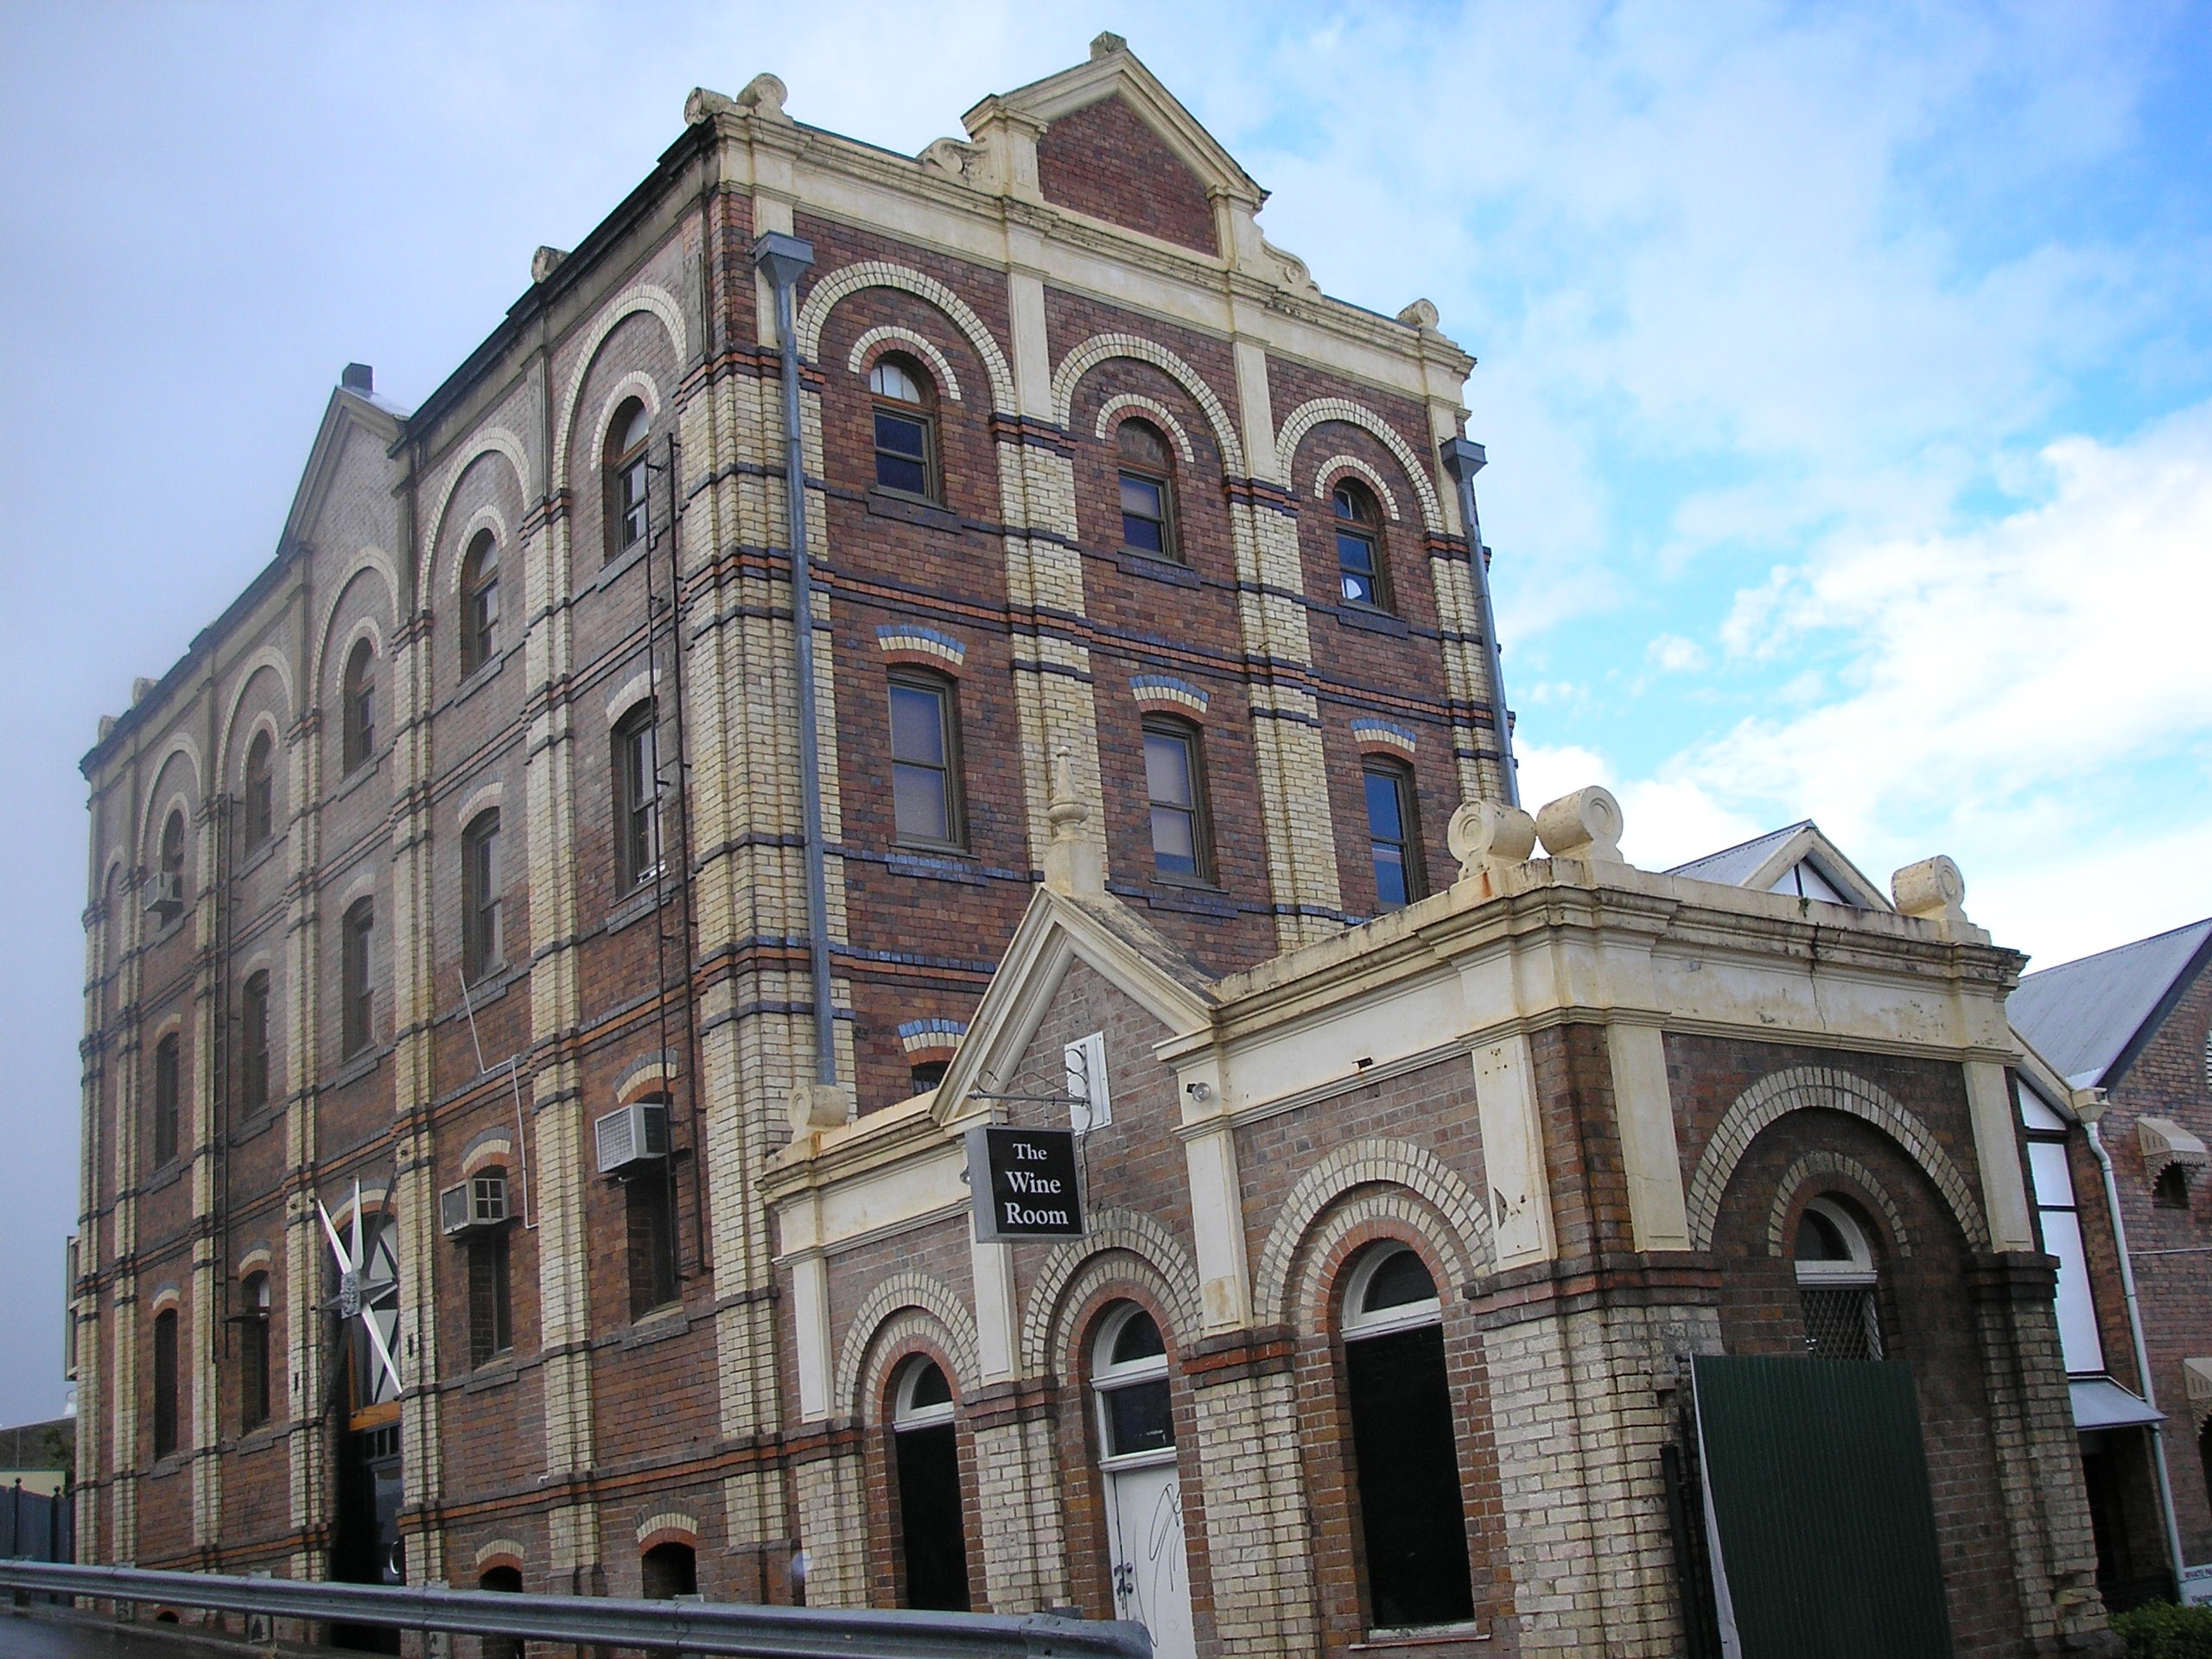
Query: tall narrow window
x=253, y=1043
x=1147, y=490
x=1412, y=1516
x=253, y=1352
x=164, y=1382
x=1392, y=836
x=1175, y=792
x=260, y=791
x=480, y=603
x=490, y=1313
x=924, y=760
x=1360, y=574
x=1835, y=1282
x=358, y=741
x=483, y=947
x=905, y=427
x=165, y=889
x=629, y=509
x=649, y=1206
x=169, y=1089
x=637, y=795
x=2051, y=1180
x=356, y=1001
x=925, y=1448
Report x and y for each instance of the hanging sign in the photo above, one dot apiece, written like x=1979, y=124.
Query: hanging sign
x=1024, y=1184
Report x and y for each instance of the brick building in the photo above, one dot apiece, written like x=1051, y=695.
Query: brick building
x=472, y=1190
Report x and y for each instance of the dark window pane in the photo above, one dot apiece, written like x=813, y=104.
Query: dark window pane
x=164, y=1384
x=900, y=436
x=917, y=803
x=1356, y=556
x=1389, y=876
x=1385, y=821
x=917, y=725
x=1138, y=1418
x=929, y=1526
x=1139, y=1339
x=491, y=1326
x=1401, y=1280
x=652, y=1242
x=1410, y=1499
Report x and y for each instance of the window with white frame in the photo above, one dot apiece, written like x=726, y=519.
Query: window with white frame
x=2051, y=1176
x=1836, y=1282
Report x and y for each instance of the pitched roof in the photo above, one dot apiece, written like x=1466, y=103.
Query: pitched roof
x=2090, y=1017
x=1733, y=866
x=1762, y=862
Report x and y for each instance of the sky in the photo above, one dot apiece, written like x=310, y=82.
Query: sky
x=1846, y=372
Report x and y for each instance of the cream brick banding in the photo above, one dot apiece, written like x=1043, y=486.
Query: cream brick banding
x=1383, y=736
x=1830, y=1088
x=1806, y=1171
x=955, y=1326
x=1307, y=415
x=911, y=639
x=1129, y=402
x=859, y=360
x=1326, y=474
x=878, y=273
x=1165, y=691
x=670, y=1523
x=1101, y=348
x=1366, y=1163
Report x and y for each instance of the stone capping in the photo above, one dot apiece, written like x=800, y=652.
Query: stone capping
x=1336, y=466
x=1307, y=415
x=849, y=280
x=857, y=361
x=1822, y=1161
x=1077, y=1267
x=1123, y=403
x=956, y=1325
x=1370, y=1162
x=1101, y=347
x=1834, y=1090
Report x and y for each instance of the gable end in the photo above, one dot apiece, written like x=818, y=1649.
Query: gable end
x=1104, y=159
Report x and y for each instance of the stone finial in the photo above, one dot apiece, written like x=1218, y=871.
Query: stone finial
x=1932, y=890
x=1488, y=836
x=1074, y=861
x=141, y=689
x=1421, y=314
x=1106, y=45
x=545, y=262
x=948, y=157
x=763, y=96
x=1585, y=825
x=704, y=105
x=107, y=726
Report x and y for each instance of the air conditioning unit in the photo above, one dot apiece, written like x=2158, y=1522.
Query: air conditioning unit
x=635, y=1135
x=479, y=1201
x=165, y=893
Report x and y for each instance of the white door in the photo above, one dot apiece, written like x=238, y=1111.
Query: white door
x=1152, y=1580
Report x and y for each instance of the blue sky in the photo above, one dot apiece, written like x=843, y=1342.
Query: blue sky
x=1846, y=373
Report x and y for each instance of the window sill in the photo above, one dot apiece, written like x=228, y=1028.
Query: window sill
x=497, y=1372
x=1438, y=1639
x=174, y=1463
x=169, y=928
x=261, y=1439
x=935, y=864
x=1196, y=898
x=1153, y=567
x=492, y=984
x=353, y=780
x=619, y=567
x=658, y=1326
x=254, y=1122
x=912, y=510
x=255, y=856
x=1370, y=622
x=479, y=678
x=642, y=901
x=166, y=1175
x=356, y=1068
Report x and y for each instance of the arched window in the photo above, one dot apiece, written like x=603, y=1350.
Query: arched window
x=260, y=791
x=1836, y=1280
x=629, y=504
x=165, y=1382
x=668, y=1571
x=166, y=898
x=168, y=1093
x=253, y=1352
x=505, y=1582
x=360, y=698
x=1148, y=480
x=906, y=427
x=1149, y=1569
x=637, y=797
x=480, y=603
x=925, y=792
x=356, y=999
x=1175, y=794
x=1362, y=578
x=1405, y=1451
x=253, y=1042
x=483, y=943
x=926, y=1451
x=1393, y=834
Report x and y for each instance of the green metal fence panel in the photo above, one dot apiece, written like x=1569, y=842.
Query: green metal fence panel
x=1816, y=1490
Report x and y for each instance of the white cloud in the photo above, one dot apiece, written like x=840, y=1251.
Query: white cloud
x=1665, y=821
x=1676, y=654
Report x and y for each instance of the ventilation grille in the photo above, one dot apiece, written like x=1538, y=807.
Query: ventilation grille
x=635, y=1135
x=1841, y=1323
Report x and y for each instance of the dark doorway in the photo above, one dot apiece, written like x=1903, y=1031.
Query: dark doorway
x=668, y=1571
x=506, y=1582
x=930, y=1520
x=366, y=1547
x=2132, y=1567
x=1411, y=1520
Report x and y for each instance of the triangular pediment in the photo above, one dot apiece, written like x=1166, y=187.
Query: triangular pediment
x=346, y=415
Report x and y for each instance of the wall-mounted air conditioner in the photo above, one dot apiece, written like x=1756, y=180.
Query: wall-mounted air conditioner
x=635, y=1135
x=479, y=1201
x=165, y=893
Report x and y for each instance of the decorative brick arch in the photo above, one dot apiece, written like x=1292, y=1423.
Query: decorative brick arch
x=1135, y=403
x=1326, y=474
x=843, y=283
x=668, y=1527
x=889, y=334
x=1366, y=1163
x=275, y=662
x=1822, y=1161
x=645, y=297
x=899, y=1338
x=1077, y=1267
x=1383, y=1209
x=1830, y=1089
x=1101, y=347
x=499, y=1551
x=956, y=1328
x=492, y=440
x=1307, y=416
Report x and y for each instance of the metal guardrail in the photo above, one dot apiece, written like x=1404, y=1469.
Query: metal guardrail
x=693, y=1627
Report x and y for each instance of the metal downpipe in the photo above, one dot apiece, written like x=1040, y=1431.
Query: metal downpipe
x=1463, y=459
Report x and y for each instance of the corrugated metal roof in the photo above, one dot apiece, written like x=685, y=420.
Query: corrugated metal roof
x=2081, y=1016
x=1733, y=866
